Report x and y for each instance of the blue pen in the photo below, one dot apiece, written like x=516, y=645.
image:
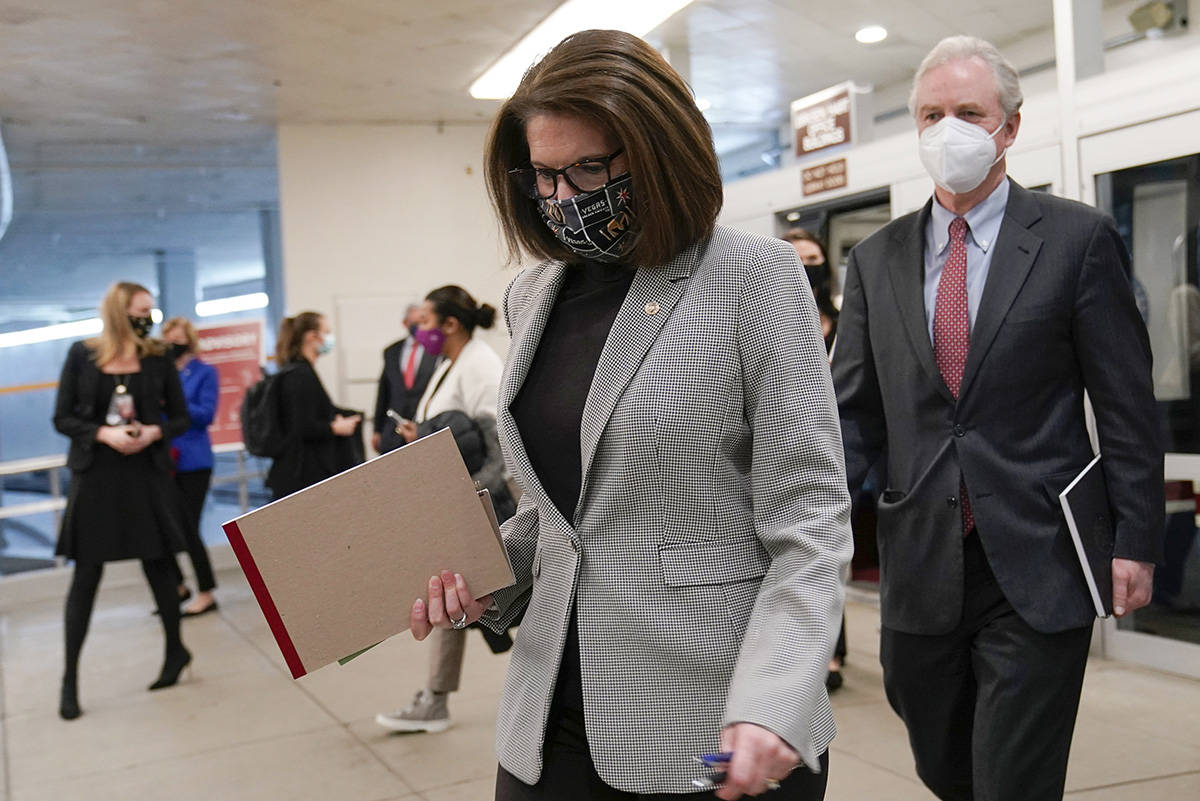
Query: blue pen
x=719, y=760
x=711, y=760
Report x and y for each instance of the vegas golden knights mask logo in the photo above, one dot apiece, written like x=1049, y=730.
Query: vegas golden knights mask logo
x=596, y=225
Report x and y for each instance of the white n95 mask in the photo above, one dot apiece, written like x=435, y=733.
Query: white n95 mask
x=957, y=155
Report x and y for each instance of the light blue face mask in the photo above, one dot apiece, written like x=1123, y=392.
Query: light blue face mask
x=327, y=344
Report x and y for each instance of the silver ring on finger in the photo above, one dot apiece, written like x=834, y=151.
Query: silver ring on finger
x=459, y=624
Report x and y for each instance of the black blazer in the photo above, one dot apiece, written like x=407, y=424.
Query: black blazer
x=159, y=401
x=310, y=453
x=1057, y=317
x=393, y=394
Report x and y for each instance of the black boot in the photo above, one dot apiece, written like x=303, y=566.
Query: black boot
x=177, y=659
x=68, y=705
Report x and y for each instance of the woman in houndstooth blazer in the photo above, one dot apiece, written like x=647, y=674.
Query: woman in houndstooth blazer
x=667, y=409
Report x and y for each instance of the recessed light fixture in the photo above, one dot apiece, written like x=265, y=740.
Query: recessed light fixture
x=871, y=34
x=638, y=17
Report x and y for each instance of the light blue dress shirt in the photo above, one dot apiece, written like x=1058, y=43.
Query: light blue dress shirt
x=983, y=227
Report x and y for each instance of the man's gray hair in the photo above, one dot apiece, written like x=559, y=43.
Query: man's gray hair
x=961, y=48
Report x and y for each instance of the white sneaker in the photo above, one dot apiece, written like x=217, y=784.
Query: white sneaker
x=427, y=712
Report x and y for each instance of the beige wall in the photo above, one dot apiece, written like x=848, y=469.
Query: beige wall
x=375, y=216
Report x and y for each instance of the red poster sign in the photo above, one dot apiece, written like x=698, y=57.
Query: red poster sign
x=236, y=351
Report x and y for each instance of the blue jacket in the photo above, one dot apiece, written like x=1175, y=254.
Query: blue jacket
x=200, y=389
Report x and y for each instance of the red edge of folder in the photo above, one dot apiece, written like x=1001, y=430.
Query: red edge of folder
x=263, y=596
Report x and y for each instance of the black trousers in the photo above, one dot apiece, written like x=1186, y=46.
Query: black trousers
x=569, y=773
x=193, y=486
x=990, y=707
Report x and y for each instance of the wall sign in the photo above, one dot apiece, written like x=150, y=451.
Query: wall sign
x=823, y=177
x=236, y=350
x=829, y=118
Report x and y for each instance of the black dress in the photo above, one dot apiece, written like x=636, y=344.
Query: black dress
x=123, y=507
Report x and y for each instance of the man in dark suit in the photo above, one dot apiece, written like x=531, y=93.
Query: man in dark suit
x=406, y=372
x=969, y=333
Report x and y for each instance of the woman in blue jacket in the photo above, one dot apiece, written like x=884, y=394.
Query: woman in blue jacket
x=193, y=454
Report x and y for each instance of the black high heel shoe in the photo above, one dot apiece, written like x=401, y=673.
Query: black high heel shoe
x=173, y=665
x=68, y=704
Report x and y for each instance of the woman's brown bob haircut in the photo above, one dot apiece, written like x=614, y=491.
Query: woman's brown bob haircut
x=626, y=87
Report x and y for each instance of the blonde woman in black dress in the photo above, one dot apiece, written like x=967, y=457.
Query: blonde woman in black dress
x=120, y=402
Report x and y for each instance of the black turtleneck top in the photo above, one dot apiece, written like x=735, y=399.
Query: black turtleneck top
x=549, y=407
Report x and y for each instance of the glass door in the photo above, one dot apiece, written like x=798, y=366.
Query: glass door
x=840, y=225
x=1157, y=207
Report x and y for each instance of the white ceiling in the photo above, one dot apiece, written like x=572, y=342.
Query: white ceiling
x=147, y=70
x=134, y=125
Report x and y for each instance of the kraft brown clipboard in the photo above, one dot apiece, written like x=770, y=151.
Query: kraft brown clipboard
x=336, y=567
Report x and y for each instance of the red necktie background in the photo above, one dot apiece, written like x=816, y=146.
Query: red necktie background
x=410, y=369
x=952, y=329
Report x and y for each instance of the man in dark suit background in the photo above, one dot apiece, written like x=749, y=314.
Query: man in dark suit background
x=969, y=333
x=406, y=372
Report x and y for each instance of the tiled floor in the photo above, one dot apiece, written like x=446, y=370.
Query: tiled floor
x=240, y=728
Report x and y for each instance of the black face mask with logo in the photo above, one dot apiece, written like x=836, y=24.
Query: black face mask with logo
x=595, y=225
x=141, y=326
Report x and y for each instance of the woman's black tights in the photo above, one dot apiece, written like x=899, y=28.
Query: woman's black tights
x=82, y=597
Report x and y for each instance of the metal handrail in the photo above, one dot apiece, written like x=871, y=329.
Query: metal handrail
x=57, y=502
x=18, y=466
x=38, y=463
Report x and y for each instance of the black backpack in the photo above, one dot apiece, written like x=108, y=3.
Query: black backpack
x=262, y=417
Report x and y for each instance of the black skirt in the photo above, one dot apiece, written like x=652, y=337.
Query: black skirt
x=122, y=507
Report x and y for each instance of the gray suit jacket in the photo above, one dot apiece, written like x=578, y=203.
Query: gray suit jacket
x=1057, y=317
x=704, y=556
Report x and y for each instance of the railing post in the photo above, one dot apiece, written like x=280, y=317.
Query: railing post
x=56, y=493
x=243, y=484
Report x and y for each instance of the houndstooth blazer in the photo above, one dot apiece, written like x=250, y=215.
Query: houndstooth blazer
x=704, y=555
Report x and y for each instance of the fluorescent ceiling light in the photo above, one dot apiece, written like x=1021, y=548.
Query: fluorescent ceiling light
x=47, y=333
x=638, y=17
x=871, y=34
x=237, y=303
x=73, y=330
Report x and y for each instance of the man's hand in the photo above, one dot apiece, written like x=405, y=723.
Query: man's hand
x=376, y=442
x=1133, y=583
x=759, y=757
x=408, y=430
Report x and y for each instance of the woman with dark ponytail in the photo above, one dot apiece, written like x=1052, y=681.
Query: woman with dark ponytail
x=466, y=381
x=310, y=422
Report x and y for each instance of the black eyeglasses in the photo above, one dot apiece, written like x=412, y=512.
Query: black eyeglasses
x=582, y=176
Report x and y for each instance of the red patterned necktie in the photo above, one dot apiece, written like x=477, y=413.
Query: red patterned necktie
x=410, y=369
x=952, y=330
